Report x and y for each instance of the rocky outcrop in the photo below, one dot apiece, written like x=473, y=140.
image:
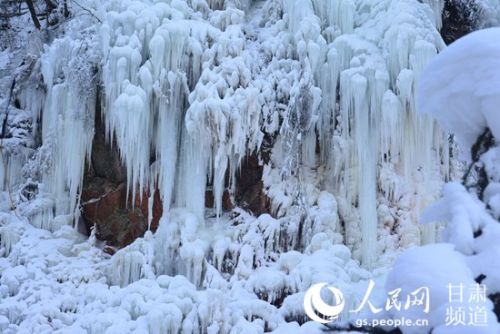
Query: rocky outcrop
x=104, y=202
x=105, y=206
x=249, y=193
x=250, y=188
x=119, y=222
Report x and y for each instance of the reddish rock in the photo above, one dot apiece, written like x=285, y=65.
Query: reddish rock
x=227, y=202
x=250, y=188
x=249, y=193
x=109, y=250
x=104, y=196
x=104, y=205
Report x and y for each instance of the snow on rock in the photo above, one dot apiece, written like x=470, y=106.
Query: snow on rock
x=58, y=281
x=464, y=214
x=470, y=228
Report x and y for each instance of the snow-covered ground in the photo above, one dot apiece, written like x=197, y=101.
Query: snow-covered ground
x=189, y=89
x=62, y=282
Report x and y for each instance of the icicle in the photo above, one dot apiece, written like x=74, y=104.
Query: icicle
x=437, y=9
x=327, y=76
x=171, y=57
x=67, y=125
x=336, y=13
x=130, y=120
x=168, y=134
x=220, y=167
x=390, y=136
x=40, y=213
x=127, y=267
x=164, y=319
x=8, y=238
x=423, y=52
x=11, y=167
x=178, y=248
x=133, y=263
x=355, y=106
x=192, y=178
x=192, y=255
x=121, y=68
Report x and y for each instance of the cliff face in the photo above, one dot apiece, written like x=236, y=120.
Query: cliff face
x=120, y=224
x=303, y=123
x=246, y=147
x=238, y=107
x=104, y=202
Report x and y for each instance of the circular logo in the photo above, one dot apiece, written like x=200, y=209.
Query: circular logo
x=319, y=311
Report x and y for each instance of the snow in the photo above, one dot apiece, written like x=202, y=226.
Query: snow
x=465, y=69
x=322, y=93
x=420, y=267
x=59, y=281
x=466, y=215
x=207, y=102
x=458, y=88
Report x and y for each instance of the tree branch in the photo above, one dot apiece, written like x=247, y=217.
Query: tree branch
x=87, y=10
x=32, y=10
x=50, y=5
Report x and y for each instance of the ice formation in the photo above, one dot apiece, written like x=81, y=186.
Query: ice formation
x=194, y=94
x=187, y=91
x=460, y=89
x=183, y=87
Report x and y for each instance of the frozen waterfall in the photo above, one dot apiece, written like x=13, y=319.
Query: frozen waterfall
x=191, y=88
x=259, y=147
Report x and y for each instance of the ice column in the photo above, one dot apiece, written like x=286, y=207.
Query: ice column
x=67, y=125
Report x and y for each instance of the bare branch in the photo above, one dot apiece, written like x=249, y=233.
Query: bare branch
x=34, y=17
x=50, y=5
x=87, y=10
x=65, y=9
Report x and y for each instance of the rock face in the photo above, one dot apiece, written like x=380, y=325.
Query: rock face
x=249, y=187
x=104, y=205
x=104, y=194
x=104, y=197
